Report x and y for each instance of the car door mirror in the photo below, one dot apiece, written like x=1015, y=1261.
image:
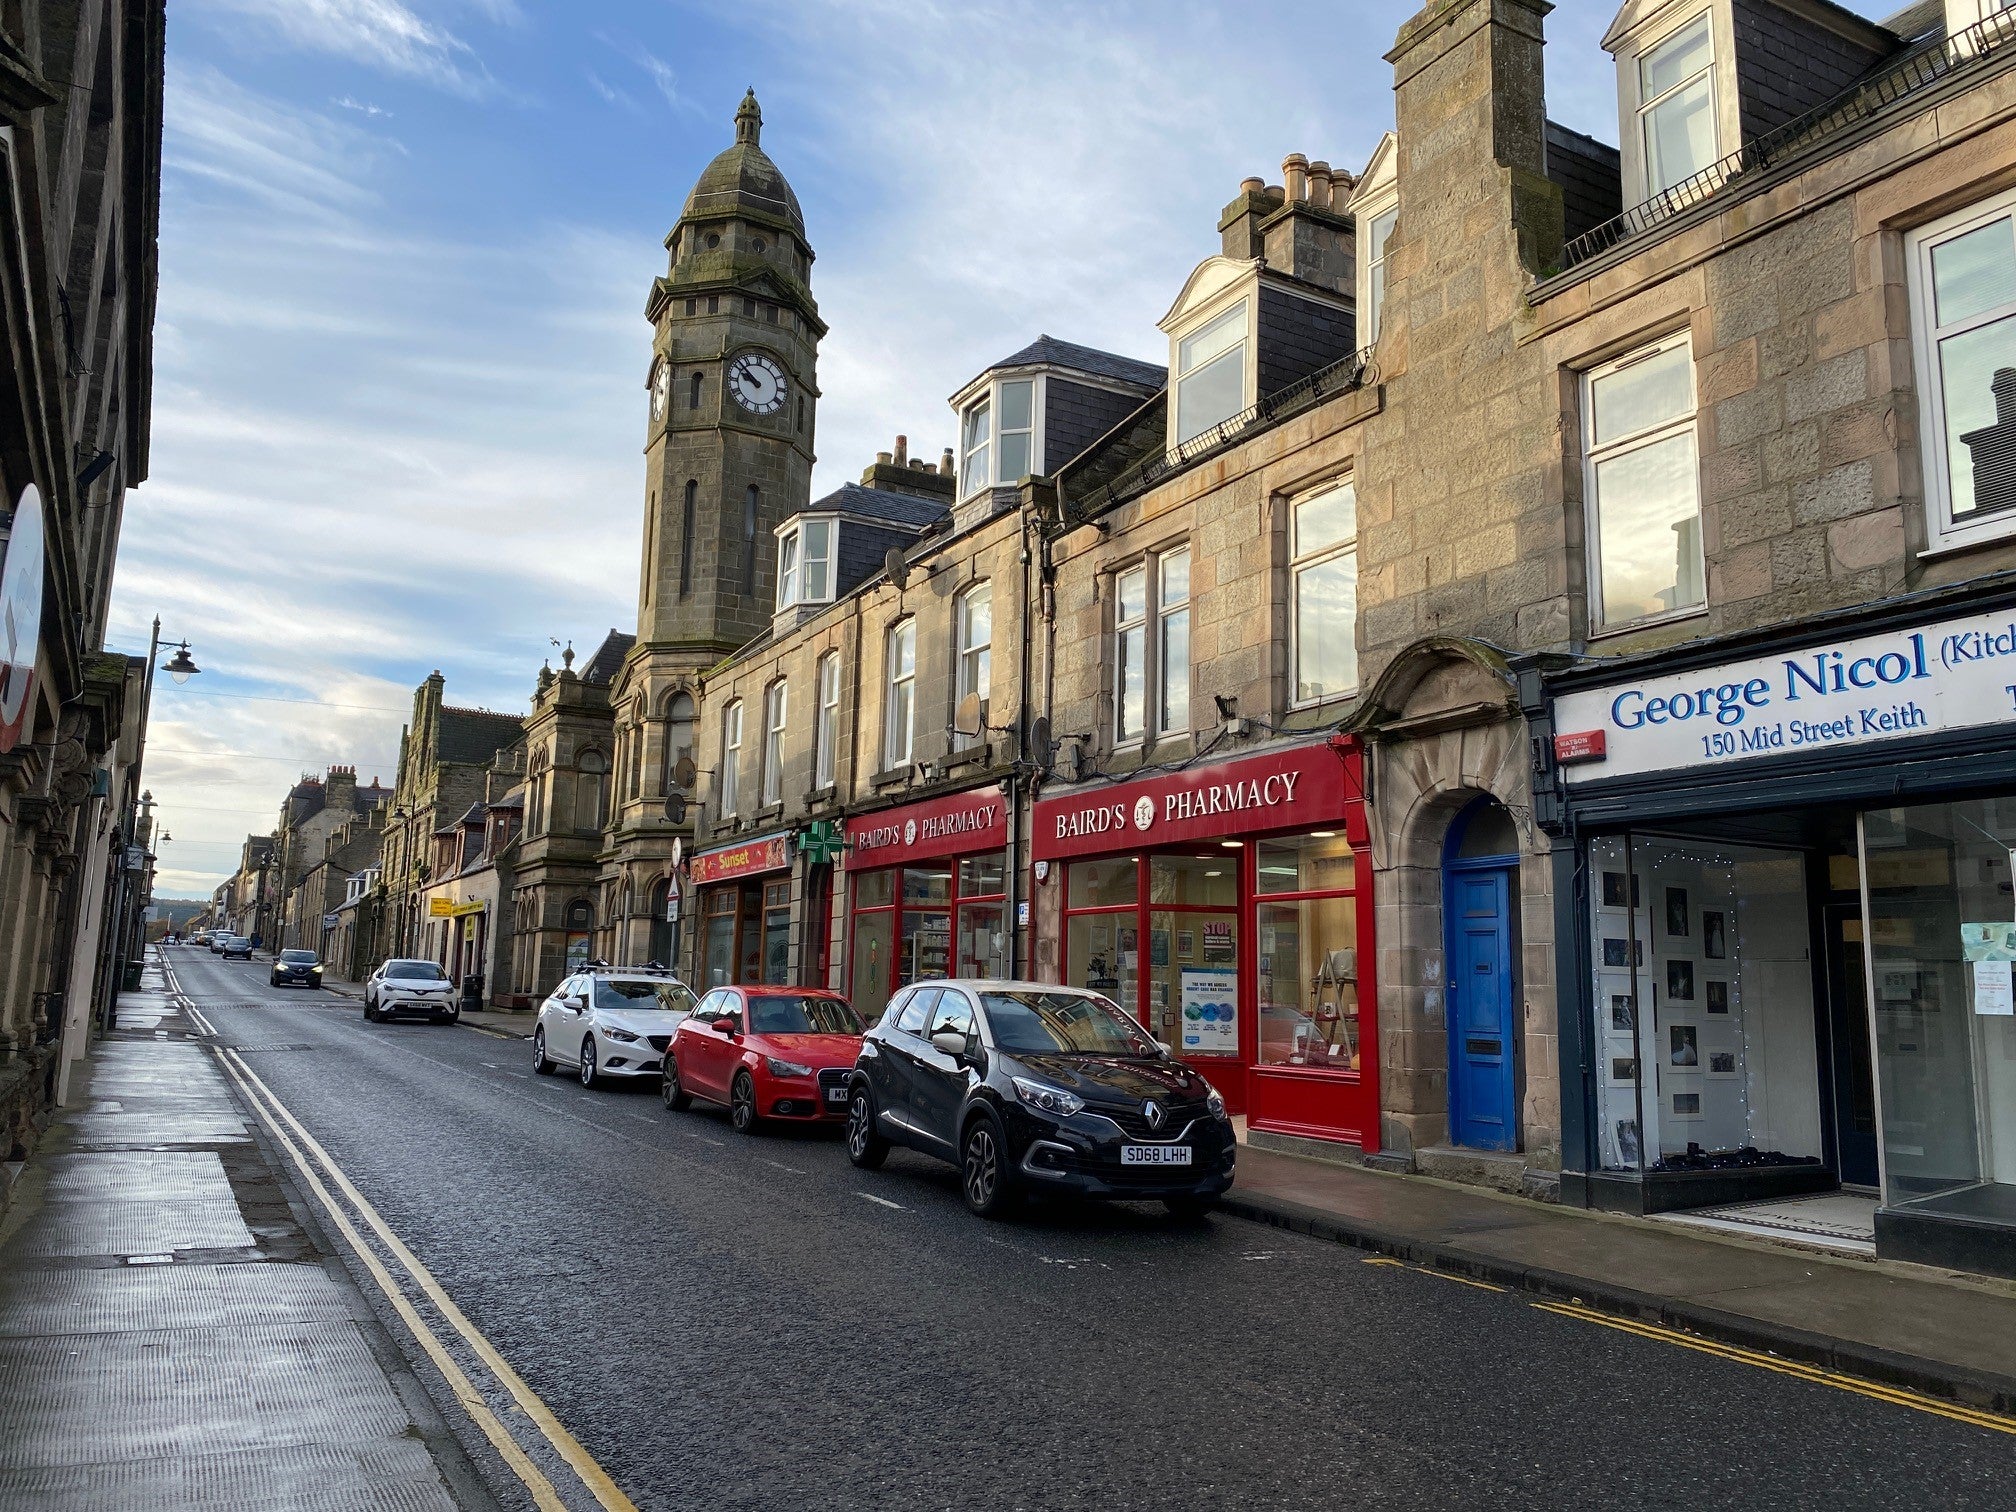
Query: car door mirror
x=728, y=1025
x=950, y=1042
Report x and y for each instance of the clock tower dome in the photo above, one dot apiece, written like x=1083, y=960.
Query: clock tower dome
x=732, y=397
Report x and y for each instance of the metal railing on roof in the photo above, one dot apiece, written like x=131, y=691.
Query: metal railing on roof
x=1915, y=70
x=1344, y=374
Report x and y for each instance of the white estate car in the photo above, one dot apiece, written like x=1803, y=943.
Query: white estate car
x=610, y=1021
x=403, y=986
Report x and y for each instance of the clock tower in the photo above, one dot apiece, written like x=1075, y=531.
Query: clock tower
x=732, y=396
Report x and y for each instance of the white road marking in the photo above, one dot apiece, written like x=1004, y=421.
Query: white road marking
x=880, y=1201
x=780, y=1166
x=714, y=1142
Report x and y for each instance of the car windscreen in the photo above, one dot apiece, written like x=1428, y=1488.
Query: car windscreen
x=1062, y=1023
x=423, y=971
x=792, y=1013
x=655, y=995
x=298, y=957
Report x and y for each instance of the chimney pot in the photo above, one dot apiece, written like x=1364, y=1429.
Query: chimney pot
x=902, y=450
x=1295, y=171
x=945, y=463
x=1319, y=184
x=1252, y=186
x=882, y=459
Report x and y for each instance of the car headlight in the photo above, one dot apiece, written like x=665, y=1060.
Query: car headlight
x=785, y=1068
x=314, y=971
x=1216, y=1104
x=1049, y=1099
x=621, y=1036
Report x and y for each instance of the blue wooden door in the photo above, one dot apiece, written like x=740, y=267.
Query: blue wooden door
x=1483, y=1091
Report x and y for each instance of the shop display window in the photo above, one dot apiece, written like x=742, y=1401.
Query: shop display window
x=1308, y=976
x=1704, y=1008
x=1941, y=940
x=777, y=934
x=913, y=923
x=1103, y=884
x=1323, y=862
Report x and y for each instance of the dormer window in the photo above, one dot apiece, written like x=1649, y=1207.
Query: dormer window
x=1676, y=111
x=1375, y=207
x=997, y=437
x=805, y=563
x=1211, y=372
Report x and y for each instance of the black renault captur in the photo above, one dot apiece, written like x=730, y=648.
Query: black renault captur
x=1028, y=1086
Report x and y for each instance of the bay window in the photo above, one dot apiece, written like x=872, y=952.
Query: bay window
x=805, y=563
x=1323, y=578
x=997, y=437
x=1963, y=317
x=899, y=702
x=1676, y=110
x=1210, y=376
x=1642, y=486
x=731, y=758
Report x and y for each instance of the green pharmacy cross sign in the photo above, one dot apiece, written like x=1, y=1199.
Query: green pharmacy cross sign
x=822, y=841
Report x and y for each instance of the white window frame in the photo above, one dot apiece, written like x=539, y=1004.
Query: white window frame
x=826, y=731
x=1152, y=626
x=989, y=400
x=730, y=784
x=795, y=559
x=974, y=662
x=1302, y=559
x=1942, y=532
x=1631, y=106
x=1246, y=294
x=776, y=705
x=899, y=694
x=1592, y=455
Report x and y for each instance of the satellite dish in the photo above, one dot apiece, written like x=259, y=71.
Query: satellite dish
x=1041, y=750
x=897, y=566
x=966, y=719
x=675, y=810
x=684, y=772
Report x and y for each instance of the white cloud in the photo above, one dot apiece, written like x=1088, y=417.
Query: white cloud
x=363, y=107
x=382, y=34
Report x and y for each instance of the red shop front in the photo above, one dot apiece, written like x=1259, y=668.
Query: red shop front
x=1230, y=907
x=927, y=895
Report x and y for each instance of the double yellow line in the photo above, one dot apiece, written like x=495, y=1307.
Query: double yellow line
x=1897, y=1396
x=579, y=1460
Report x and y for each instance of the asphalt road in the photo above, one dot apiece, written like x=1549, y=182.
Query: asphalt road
x=730, y=1322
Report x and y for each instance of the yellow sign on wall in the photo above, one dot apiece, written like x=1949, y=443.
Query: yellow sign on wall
x=448, y=908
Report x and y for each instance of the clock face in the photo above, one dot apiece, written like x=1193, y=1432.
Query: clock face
x=661, y=391
x=757, y=383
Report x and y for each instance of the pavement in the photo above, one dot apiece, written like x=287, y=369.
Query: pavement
x=173, y=1334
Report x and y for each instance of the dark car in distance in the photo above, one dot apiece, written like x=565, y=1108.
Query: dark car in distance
x=1032, y=1087
x=235, y=947
x=292, y=967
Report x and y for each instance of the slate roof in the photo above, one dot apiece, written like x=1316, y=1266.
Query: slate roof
x=608, y=658
x=1086, y=360
x=909, y=510
x=473, y=736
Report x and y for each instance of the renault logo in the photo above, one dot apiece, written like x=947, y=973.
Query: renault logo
x=1152, y=1111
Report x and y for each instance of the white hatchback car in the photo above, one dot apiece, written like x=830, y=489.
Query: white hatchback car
x=403, y=986
x=609, y=1022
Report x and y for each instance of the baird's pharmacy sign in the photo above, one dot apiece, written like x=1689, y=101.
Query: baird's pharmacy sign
x=1954, y=675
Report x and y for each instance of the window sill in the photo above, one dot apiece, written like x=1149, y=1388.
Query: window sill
x=973, y=755
x=1970, y=539
x=1653, y=622
x=894, y=777
x=819, y=797
x=768, y=813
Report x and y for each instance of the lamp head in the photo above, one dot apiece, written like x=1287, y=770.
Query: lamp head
x=180, y=666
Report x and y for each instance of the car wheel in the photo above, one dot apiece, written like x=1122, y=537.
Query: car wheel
x=590, y=1077
x=1189, y=1209
x=674, y=1096
x=370, y=1011
x=540, y=1063
x=983, y=1168
x=742, y=1104
x=865, y=1145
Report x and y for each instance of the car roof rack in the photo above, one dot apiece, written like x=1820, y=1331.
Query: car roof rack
x=649, y=968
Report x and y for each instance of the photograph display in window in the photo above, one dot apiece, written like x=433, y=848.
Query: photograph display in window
x=1709, y=1059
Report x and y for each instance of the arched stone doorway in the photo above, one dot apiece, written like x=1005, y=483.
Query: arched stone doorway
x=1481, y=999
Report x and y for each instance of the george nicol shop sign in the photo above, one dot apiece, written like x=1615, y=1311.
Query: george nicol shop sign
x=1952, y=675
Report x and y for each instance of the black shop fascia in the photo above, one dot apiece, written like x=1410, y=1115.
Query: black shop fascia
x=1786, y=920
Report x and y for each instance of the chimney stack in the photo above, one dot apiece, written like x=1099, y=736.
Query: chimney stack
x=1305, y=237
x=1239, y=224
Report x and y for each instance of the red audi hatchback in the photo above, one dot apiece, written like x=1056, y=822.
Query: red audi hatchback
x=783, y=1053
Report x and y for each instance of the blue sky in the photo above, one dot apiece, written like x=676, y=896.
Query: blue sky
x=401, y=351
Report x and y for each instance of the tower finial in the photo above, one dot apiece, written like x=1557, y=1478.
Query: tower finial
x=749, y=119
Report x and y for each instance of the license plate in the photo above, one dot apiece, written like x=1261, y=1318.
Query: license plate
x=836, y=1094
x=1154, y=1155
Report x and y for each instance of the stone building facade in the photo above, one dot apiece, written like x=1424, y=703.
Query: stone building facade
x=81, y=105
x=316, y=812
